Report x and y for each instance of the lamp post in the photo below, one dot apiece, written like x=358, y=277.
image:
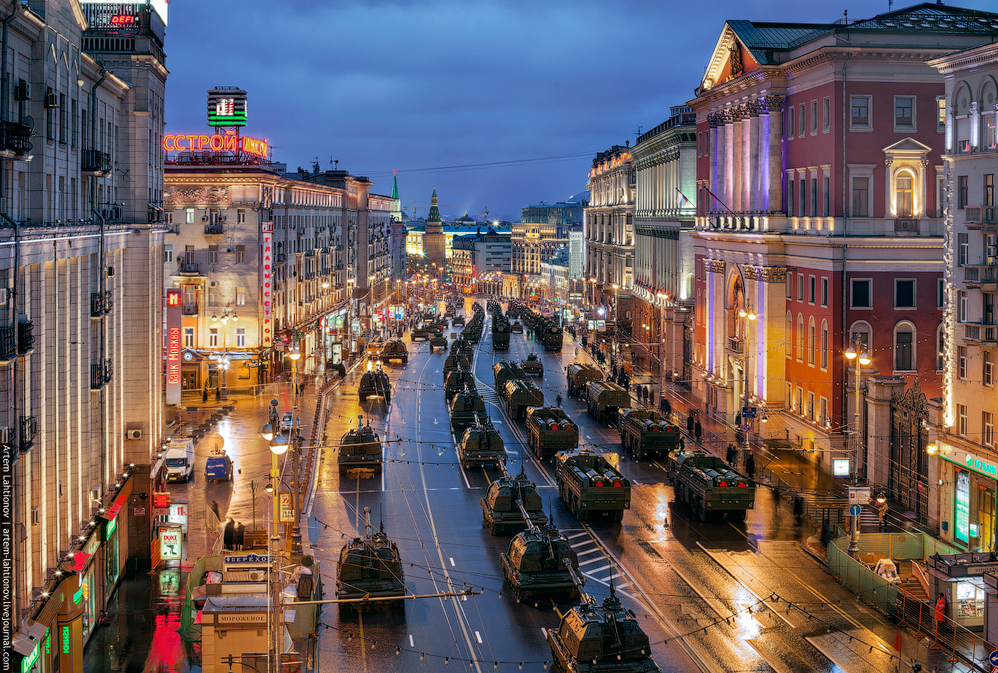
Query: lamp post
x=223, y=362
x=748, y=315
x=856, y=353
x=295, y=441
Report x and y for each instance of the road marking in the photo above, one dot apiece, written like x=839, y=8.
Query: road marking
x=599, y=570
x=478, y=637
x=544, y=632
x=412, y=643
x=578, y=547
x=451, y=558
x=572, y=537
x=595, y=560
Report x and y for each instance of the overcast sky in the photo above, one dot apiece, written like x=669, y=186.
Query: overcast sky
x=496, y=104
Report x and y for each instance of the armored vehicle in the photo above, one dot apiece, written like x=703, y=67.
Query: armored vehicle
x=550, y=430
x=395, y=350
x=360, y=450
x=504, y=371
x=520, y=395
x=438, y=341
x=533, y=365
x=370, y=567
x=579, y=376
x=419, y=333
x=375, y=383
x=481, y=444
x=452, y=362
x=462, y=347
x=465, y=409
x=709, y=485
x=500, y=333
x=643, y=431
x=516, y=327
x=552, y=336
x=457, y=380
x=450, y=310
x=605, y=399
x=594, y=638
x=374, y=351
x=537, y=562
x=591, y=487
x=500, y=512
x=458, y=321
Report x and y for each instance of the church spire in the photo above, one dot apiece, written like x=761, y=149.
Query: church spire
x=396, y=202
x=434, y=215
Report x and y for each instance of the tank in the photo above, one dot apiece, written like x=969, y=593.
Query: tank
x=395, y=349
x=462, y=348
x=594, y=638
x=465, y=409
x=533, y=365
x=539, y=562
x=453, y=362
x=375, y=383
x=481, y=444
x=438, y=341
x=500, y=512
x=503, y=371
x=516, y=327
x=458, y=321
x=456, y=381
x=419, y=333
x=360, y=450
x=370, y=567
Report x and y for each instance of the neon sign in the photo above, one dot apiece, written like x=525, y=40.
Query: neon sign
x=123, y=20
x=214, y=143
x=267, y=234
x=173, y=324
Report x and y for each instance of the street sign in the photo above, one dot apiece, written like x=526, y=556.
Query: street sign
x=746, y=427
x=855, y=510
x=993, y=658
x=287, y=512
x=858, y=494
x=748, y=412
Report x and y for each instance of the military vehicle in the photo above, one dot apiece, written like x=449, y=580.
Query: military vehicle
x=499, y=506
x=533, y=366
x=516, y=327
x=452, y=362
x=373, y=351
x=579, y=376
x=419, y=333
x=456, y=381
x=360, y=450
x=500, y=333
x=504, y=371
x=520, y=395
x=537, y=562
x=438, y=341
x=458, y=321
x=375, y=383
x=643, y=431
x=450, y=311
x=550, y=430
x=605, y=399
x=395, y=349
x=710, y=486
x=552, y=336
x=591, y=487
x=370, y=567
x=481, y=444
x=463, y=348
x=465, y=409
x=594, y=638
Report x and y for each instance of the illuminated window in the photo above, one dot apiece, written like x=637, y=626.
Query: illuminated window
x=188, y=337
x=240, y=337
x=904, y=195
x=213, y=337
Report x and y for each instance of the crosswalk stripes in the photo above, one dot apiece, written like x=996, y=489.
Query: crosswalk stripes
x=869, y=519
x=595, y=564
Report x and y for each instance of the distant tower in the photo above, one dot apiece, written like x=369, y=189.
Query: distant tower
x=396, y=202
x=434, y=242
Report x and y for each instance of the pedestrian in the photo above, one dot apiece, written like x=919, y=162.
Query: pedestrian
x=558, y=399
x=204, y=395
x=798, y=507
x=750, y=467
x=240, y=535
x=697, y=430
x=689, y=423
x=666, y=406
x=644, y=394
x=729, y=454
x=882, y=512
x=214, y=508
x=228, y=534
x=218, y=394
x=939, y=614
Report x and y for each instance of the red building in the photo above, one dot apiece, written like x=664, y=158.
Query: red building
x=819, y=175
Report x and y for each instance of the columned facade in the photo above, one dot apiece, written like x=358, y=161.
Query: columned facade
x=609, y=224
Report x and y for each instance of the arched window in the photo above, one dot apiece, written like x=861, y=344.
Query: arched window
x=788, y=337
x=904, y=347
x=904, y=194
x=824, y=344
x=800, y=337
x=810, y=341
x=861, y=332
x=940, y=347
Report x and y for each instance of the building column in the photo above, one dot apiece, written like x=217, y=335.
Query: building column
x=774, y=169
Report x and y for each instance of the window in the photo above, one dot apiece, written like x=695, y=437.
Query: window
x=800, y=338
x=799, y=402
x=801, y=122
x=903, y=195
x=790, y=195
x=961, y=412
x=810, y=406
x=213, y=254
x=940, y=113
x=188, y=337
x=940, y=293
x=240, y=296
x=862, y=293
x=860, y=334
x=962, y=249
x=987, y=369
x=961, y=306
x=810, y=341
x=962, y=191
x=987, y=428
x=824, y=344
x=814, y=197
x=826, y=116
x=240, y=337
x=988, y=308
x=788, y=338
x=168, y=254
x=824, y=292
x=989, y=190
x=790, y=122
x=904, y=346
x=800, y=287
x=904, y=113
x=240, y=217
x=861, y=197
x=990, y=133
x=240, y=254
x=212, y=297
x=790, y=285
x=811, y=289
x=825, y=196
x=940, y=348
x=190, y=216
x=814, y=117
x=860, y=112
x=961, y=362
x=803, y=197
x=213, y=337
x=904, y=293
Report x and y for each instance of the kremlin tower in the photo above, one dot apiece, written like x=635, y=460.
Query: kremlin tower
x=434, y=243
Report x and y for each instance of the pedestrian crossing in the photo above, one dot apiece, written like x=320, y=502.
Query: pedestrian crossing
x=595, y=564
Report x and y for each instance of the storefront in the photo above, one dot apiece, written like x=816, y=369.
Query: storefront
x=968, y=519
x=960, y=578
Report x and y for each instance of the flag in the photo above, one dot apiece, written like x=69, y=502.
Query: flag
x=685, y=200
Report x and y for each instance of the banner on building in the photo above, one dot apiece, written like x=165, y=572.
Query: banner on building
x=287, y=512
x=174, y=319
x=266, y=281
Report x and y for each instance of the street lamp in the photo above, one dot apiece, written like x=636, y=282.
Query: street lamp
x=748, y=315
x=857, y=353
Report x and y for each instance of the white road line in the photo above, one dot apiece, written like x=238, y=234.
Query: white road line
x=478, y=636
x=572, y=537
x=595, y=560
x=412, y=643
x=451, y=559
x=598, y=570
x=545, y=632
x=579, y=548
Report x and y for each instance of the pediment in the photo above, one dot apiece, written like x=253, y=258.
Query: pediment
x=907, y=146
x=729, y=59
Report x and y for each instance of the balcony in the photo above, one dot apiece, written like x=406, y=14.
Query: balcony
x=190, y=308
x=981, y=218
x=95, y=162
x=906, y=225
x=980, y=334
x=8, y=347
x=25, y=337
x=280, y=258
x=189, y=269
x=16, y=141
x=101, y=374
x=736, y=345
x=101, y=303
x=29, y=430
x=978, y=276
x=214, y=229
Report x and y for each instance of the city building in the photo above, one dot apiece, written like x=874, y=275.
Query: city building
x=544, y=229
x=609, y=231
x=397, y=243
x=486, y=253
x=435, y=242
x=820, y=228
x=81, y=285
x=665, y=193
x=965, y=456
x=554, y=276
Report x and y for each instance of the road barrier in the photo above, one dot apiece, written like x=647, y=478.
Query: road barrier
x=961, y=644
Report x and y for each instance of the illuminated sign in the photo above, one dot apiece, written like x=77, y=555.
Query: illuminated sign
x=161, y=499
x=161, y=7
x=173, y=324
x=226, y=107
x=170, y=546
x=78, y=562
x=219, y=142
x=78, y=596
x=123, y=20
x=266, y=280
x=287, y=510
x=962, y=507
x=65, y=640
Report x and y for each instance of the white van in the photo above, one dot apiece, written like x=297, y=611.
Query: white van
x=179, y=460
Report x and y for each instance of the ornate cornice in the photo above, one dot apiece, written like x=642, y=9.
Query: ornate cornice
x=715, y=265
x=767, y=274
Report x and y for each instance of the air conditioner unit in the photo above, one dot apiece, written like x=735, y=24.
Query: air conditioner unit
x=213, y=283
x=22, y=91
x=134, y=433
x=51, y=100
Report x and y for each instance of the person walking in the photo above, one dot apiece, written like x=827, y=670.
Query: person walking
x=882, y=508
x=939, y=614
x=729, y=454
x=750, y=467
x=239, y=535
x=229, y=534
x=557, y=399
x=689, y=423
x=214, y=508
x=204, y=394
x=697, y=430
x=666, y=406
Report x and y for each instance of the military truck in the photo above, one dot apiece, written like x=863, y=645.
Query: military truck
x=579, y=376
x=375, y=383
x=710, y=486
x=503, y=372
x=500, y=334
x=395, y=349
x=419, y=333
x=520, y=395
x=500, y=512
x=605, y=399
x=516, y=327
x=591, y=487
x=360, y=450
x=552, y=336
x=438, y=341
x=594, y=638
x=533, y=365
x=550, y=430
x=465, y=409
x=646, y=432
x=370, y=567
x=481, y=444
x=457, y=380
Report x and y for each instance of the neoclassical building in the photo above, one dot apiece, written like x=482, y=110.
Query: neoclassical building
x=609, y=227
